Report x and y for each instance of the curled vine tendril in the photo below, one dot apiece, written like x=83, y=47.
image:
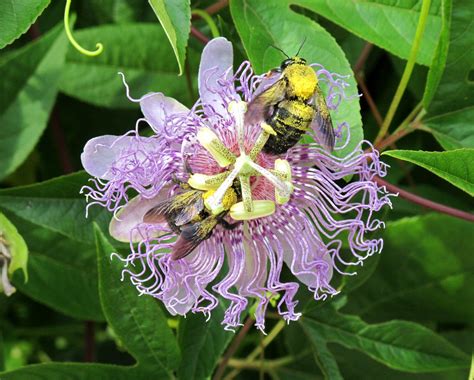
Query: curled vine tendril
x=67, y=27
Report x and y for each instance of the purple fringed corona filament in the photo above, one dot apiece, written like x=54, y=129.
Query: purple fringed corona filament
x=315, y=208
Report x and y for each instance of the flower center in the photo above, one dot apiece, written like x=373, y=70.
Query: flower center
x=241, y=167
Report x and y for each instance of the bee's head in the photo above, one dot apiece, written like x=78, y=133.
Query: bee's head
x=292, y=61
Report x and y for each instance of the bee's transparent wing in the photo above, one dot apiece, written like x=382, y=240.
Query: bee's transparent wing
x=270, y=92
x=322, y=123
x=181, y=209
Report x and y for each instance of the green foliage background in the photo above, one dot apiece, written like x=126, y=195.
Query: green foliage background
x=408, y=314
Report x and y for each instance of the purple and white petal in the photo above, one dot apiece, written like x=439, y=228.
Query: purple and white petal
x=157, y=108
x=216, y=66
x=123, y=225
x=100, y=153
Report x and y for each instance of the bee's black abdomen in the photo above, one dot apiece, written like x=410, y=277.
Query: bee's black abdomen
x=286, y=134
x=280, y=143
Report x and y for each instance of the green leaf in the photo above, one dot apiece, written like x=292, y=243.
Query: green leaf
x=255, y=22
x=175, y=17
x=118, y=11
x=453, y=130
x=28, y=87
x=56, y=205
x=139, y=51
x=62, y=262
x=456, y=90
x=425, y=273
x=202, y=343
x=388, y=24
x=75, y=371
x=455, y=166
x=401, y=345
x=324, y=357
x=449, y=94
x=16, y=16
x=16, y=246
x=356, y=365
x=137, y=320
x=439, y=60
x=63, y=274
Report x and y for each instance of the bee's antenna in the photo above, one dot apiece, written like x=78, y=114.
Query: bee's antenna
x=281, y=50
x=301, y=46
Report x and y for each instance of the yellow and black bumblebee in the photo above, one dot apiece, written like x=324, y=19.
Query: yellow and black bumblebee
x=291, y=104
x=187, y=216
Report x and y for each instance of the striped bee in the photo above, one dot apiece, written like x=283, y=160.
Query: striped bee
x=187, y=216
x=291, y=104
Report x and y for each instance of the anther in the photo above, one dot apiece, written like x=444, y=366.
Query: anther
x=210, y=141
x=261, y=208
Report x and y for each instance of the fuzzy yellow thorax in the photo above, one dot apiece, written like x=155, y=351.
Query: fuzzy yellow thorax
x=302, y=81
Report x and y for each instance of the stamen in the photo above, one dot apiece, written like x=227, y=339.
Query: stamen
x=246, y=193
x=210, y=141
x=285, y=187
x=207, y=182
x=283, y=170
x=257, y=148
x=214, y=202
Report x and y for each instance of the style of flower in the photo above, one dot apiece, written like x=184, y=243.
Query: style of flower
x=296, y=209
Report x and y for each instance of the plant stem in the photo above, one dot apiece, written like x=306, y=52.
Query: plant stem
x=268, y=339
x=233, y=347
x=359, y=65
x=208, y=19
x=368, y=98
x=216, y=7
x=265, y=365
x=407, y=72
x=60, y=142
x=425, y=202
x=198, y=35
x=89, y=341
x=407, y=126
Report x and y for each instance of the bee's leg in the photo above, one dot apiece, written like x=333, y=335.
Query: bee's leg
x=276, y=70
x=187, y=167
x=180, y=183
x=229, y=226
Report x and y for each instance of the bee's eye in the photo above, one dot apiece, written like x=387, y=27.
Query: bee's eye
x=285, y=63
